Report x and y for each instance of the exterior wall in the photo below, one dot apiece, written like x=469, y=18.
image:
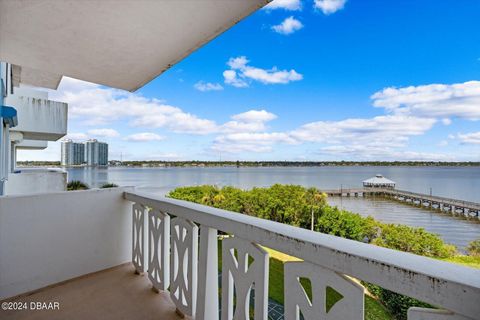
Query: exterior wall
x=49, y=238
x=29, y=181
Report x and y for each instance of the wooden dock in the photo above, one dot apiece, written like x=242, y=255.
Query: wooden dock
x=455, y=207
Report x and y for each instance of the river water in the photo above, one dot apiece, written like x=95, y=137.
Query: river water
x=453, y=182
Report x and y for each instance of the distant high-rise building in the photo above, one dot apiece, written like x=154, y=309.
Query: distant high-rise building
x=96, y=153
x=73, y=153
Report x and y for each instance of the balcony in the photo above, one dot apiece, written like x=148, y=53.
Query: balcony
x=100, y=252
x=38, y=117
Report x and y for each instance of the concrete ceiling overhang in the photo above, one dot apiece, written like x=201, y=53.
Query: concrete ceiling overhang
x=118, y=43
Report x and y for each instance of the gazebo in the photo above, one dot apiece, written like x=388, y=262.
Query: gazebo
x=379, y=181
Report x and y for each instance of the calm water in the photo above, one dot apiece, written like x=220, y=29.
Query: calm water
x=454, y=182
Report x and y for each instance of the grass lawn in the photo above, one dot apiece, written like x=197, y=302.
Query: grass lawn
x=374, y=310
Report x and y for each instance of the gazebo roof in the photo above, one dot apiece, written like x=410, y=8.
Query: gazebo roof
x=378, y=179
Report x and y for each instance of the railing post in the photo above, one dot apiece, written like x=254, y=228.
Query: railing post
x=207, y=301
x=139, y=238
x=183, y=265
x=159, y=249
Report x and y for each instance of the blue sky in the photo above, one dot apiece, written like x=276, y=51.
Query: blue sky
x=304, y=80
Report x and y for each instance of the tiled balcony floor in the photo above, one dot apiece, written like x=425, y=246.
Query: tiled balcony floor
x=115, y=293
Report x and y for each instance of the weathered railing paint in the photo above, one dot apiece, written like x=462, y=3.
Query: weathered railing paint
x=451, y=287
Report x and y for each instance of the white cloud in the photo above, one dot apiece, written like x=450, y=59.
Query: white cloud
x=288, y=26
x=459, y=100
x=469, y=138
x=239, y=126
x=104, y=132
x=144, y=137
x=207, y=86
x=231, y=78
x=446, y=121
x=255, y=116
x=163, y=156
x=381, y=131
x=329, y=6
x=238, y=62
x=93, y=105
x=176, y=120
x=240, y=71
x=272, y=76
x=250, y=142
x=250, y=121
x=443, y=143
x=374, y=153
x=292, y=5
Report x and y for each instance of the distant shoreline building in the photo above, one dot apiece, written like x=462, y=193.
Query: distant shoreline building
x=379, y=181
x=90, y=153
x=73, y=153
x=96, y=153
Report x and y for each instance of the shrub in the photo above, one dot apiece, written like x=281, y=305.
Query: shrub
x=473, y=248
x=414, y=240
x=77, y=185
x=397, y=304
x=345, y=224
x=108, y=185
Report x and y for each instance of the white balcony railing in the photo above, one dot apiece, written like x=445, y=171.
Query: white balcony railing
x=175, y=242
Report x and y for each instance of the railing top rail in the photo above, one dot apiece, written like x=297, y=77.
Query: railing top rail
x=453, y=287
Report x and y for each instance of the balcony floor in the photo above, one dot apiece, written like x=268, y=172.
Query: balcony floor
x=116, y=293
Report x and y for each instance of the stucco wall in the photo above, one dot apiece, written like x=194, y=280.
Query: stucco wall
x=48, y=238
x=30, y=181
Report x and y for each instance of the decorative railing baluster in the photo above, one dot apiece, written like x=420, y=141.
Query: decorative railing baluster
x=244, y=267
x=207, y=303
x=159, y=249
x=183, y=265
x=349, y=307
x=139, y=238
x=433, y=314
